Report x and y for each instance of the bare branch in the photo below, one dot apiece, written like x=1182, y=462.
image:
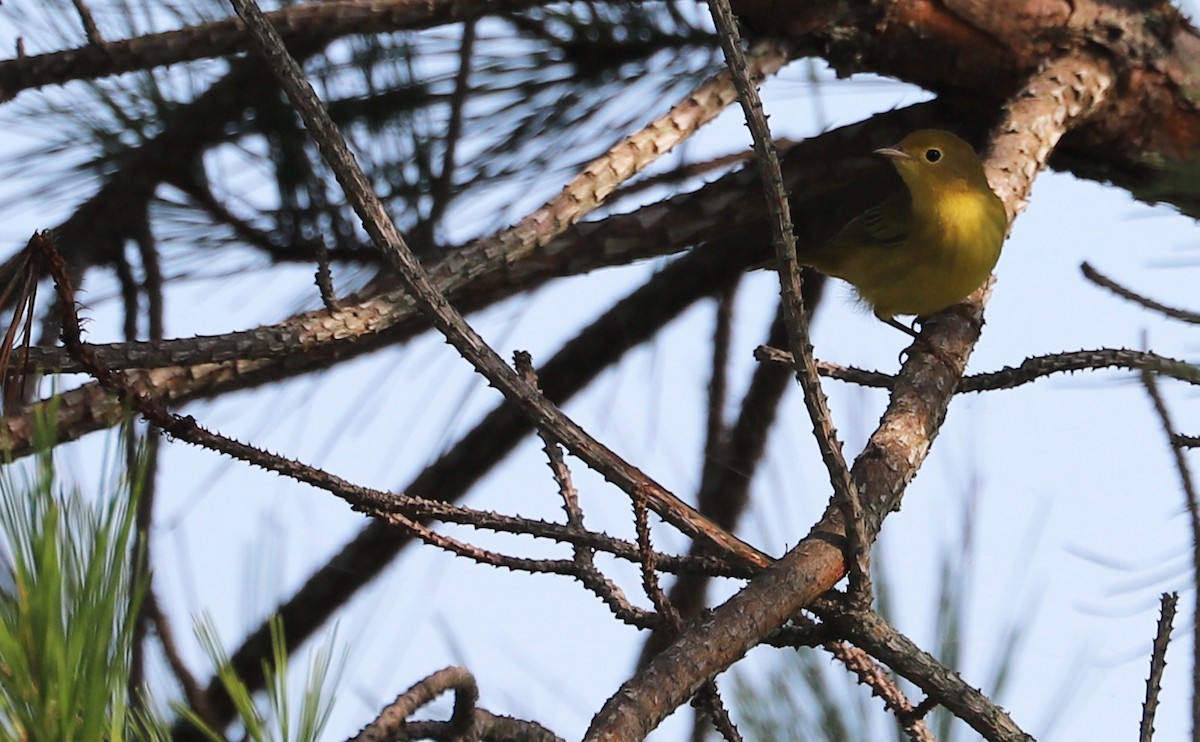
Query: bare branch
x=1186, y=441
x=871, y=632
x=89, y=24
x=585, y=565
x=1192, y=502
x=1011, y=377
x=390, y=723
x=795, y=314
x=1158, y=663
x=872, y=675
x=1100, y=279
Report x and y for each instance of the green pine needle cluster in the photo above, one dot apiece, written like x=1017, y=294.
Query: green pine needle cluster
x=71, y=593
x=71, y=587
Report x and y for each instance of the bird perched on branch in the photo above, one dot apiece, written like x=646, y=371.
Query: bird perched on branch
x=928, y=246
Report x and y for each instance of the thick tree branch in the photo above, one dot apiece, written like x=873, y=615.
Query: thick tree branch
x=983, y=50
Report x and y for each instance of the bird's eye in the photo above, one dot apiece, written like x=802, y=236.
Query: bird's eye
x=933, y=154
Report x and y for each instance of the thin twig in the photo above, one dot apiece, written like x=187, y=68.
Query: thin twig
x=1011, y=377
x=89, y=23
x=142, y=461
x=152, y=283
x=324, y=277
x=1100, y=279
x=1185, y=441
x=23, y=288
x=641, y=522
x=718, y=385
x=1158, y=663
x=709, y=700
x=391, y=721
x=442, y=187
x=1193, y=509
x=803, y=632
x=870, y=674
x=845, y=492
x=197, y=699
x=584, y=556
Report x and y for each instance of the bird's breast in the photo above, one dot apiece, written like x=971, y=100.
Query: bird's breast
x=951, y=251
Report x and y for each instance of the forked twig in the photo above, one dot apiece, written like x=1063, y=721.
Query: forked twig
x=870, y=631
x=708, y=698
x=1011, y=377
x=584, y=556
x=447, y=319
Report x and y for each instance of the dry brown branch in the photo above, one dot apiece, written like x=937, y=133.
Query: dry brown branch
x=883, y=687
x=794, y=312
x=1104, y=281
x=390, y=723
x=585, y=565
x=871, y=632
x=1158, y=663
x=1192, y=503
x=1011, y=377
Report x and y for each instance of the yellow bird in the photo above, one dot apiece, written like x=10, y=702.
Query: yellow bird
x=931, y=244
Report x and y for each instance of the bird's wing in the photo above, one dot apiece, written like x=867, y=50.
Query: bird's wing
x=881, y=228
x=887, y=223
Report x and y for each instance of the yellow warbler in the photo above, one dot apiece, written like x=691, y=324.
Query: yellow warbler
x=928, y=246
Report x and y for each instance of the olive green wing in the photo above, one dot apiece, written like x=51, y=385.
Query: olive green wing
x=884, y=225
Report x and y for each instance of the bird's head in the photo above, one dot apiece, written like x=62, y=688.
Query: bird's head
x=936, y=160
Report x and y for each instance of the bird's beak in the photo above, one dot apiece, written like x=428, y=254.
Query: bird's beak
x=893, y=154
